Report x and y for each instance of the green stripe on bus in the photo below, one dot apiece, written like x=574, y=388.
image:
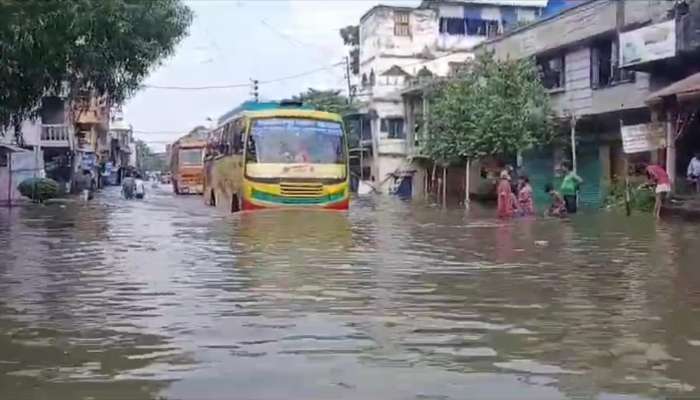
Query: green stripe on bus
x=271, y=198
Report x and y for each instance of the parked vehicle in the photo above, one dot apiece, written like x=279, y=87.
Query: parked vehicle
x=187, y=166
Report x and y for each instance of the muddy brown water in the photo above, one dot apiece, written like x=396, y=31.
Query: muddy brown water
x=169, y=299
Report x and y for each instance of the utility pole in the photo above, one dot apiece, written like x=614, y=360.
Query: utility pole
x=347, y=77
x=256, y=93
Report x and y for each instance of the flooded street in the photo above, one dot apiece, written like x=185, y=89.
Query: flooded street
x=169, y=299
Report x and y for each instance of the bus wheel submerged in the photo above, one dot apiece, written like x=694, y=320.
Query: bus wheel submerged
x=235, y=204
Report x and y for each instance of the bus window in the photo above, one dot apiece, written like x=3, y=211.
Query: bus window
x=251, y=154
x=228, y=138
x=288, y=140
x=238, y=129
x=190, y=157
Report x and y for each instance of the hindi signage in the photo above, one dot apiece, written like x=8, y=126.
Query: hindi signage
x=643, y=137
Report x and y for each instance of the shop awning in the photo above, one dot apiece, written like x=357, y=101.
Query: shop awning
x=685, y=89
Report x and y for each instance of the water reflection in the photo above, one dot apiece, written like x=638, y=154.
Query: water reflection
x=393, y=300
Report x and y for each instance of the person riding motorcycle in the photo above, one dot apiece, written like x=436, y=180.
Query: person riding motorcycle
x=128, y=187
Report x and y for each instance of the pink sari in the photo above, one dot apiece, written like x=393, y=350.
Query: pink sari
x=505, y=203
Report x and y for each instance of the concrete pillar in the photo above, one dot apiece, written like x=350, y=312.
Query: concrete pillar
x=671, y=147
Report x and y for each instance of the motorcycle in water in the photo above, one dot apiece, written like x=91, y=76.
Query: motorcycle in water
x=128, y=188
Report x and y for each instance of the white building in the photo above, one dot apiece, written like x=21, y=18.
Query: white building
x=399, y=44
x=117, y=152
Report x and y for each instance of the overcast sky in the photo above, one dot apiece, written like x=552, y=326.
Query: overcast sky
x=232, y=41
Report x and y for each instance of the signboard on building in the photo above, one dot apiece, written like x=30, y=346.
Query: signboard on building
x=654, y=42
x=643, y=137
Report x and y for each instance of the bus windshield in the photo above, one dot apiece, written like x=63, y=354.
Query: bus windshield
x=190, y=156
x=294, y=140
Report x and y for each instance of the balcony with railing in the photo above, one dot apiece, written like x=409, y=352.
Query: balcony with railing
x=58, y=135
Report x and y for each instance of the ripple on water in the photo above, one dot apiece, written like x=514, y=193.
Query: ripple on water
x=392, y=300
x=534, y=367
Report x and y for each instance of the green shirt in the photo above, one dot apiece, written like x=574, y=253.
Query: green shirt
x=569, y=185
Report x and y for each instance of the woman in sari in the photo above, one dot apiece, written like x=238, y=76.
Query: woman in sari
x=505, y=196
x=525, y=202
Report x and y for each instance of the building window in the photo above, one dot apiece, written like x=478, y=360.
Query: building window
x=469, y=26
x=4, y=158
x=401, y=24
x=394, y=127
x=453, y=26
x=605, y=63
x=552, y=71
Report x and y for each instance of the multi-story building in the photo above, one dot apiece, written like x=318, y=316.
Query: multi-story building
x=90, y=116
x=66, y=136
x=669, y=49
x=401, y=44
x=51, y=137
x=592, y=91
x=118, y=151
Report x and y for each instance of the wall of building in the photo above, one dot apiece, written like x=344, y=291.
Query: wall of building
x=385, y=165
x=579, y=98
x=377, y=38
x=380, y=48
x=627, y=96
x=571, y=34
x=578, y=24
x=25, y=164
x=31, y=132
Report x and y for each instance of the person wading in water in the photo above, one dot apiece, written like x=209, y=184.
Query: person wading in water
x=570, y=187
x=505, y=196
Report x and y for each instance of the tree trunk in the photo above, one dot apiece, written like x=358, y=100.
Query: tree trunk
x=444, y=187
x=467, y=179
x=432, y=181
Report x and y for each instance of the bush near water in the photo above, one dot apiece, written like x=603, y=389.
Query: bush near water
x=39, y=189
x=641, y=199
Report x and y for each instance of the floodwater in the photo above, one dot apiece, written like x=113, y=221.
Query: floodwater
x=168, y=299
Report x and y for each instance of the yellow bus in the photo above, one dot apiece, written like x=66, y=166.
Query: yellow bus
x=277, y=155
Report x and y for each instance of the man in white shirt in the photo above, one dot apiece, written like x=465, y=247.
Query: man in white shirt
x=694, y=171
x=140, y=187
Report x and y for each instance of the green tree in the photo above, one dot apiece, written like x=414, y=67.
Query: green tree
x=147, y=160
x=351, y=38
x=107, y=46
x=493, y=108
x=325, y=100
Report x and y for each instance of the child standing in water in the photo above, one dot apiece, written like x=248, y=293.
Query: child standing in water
x=525, y=202
x=558, y=206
